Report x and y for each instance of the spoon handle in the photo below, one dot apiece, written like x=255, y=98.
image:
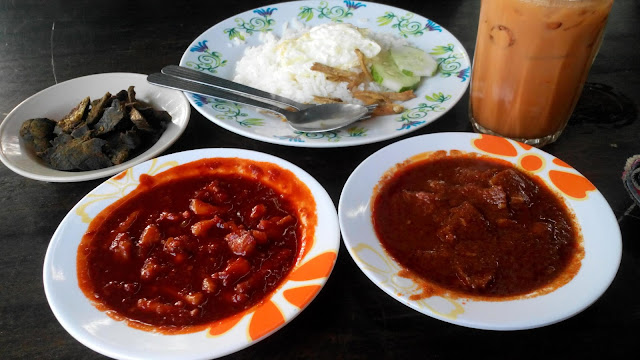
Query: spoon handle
x=218, y=82
x=197, y=88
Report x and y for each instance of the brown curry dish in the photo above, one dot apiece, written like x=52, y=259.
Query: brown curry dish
x=472, y=226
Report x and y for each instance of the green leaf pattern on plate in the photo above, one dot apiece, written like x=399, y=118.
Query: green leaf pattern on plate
x=331, y=136
x=357, y=131
x=334, y=13
x=411, y=117
x=228, y=111
x=262, y=23
x=208, y=60
x=450, y=65
x=405, y=26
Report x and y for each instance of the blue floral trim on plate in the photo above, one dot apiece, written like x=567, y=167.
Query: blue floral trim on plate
x=411, y=118
x=263, y=23
x=405, y=26
x=208, y=61
x=451, y=64
x=335, y=13
x=228, y=111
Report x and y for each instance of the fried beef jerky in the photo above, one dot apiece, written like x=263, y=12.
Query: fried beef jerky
x=97, y=134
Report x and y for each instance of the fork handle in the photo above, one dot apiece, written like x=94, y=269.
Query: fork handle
x=218, y=82
x=197, y=88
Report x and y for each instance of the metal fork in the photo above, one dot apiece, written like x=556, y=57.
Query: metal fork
x=315, y=118
x=218, y=82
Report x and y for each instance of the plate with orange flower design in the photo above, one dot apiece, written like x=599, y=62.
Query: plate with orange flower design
x=108, y=332
x=599, y=230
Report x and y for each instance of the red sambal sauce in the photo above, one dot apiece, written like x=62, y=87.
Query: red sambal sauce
x=475, y=226
x=194, y=244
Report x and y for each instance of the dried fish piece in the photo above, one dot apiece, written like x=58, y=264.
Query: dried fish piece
x=110, y=119
x=334, y=74
x=139, y=121
x=68, y=153
x=369, y=98
x=131, y=95
x=401, y=96
x=69, y=122
x=326, y=100
x=355, y=82
x=387, y=97
x=352, y=79
x=156, y=118
x=97, y=109
x=38, y=132
x=122, y=145
x=387, y=109
x=81, y=132
x=122, y=95
x=363, y=65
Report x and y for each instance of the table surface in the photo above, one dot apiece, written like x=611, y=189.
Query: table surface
x=46, y=42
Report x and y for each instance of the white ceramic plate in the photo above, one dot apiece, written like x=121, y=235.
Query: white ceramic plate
x=218, y=49
x=602, y=239
x=113, y=338
x=57, y=101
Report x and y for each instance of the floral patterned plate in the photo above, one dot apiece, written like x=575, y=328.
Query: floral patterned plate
x=602, y=241
x=116, y=339
x=217, y=50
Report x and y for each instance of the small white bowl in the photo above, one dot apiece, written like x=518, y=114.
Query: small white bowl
x=602, y=240
x=57, y=101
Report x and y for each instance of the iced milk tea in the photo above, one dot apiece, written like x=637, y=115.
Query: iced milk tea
x=531, y=60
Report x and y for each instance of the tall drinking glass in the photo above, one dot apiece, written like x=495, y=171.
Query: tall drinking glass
x=531, y=61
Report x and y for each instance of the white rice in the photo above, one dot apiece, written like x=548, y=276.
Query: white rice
x=287, y=72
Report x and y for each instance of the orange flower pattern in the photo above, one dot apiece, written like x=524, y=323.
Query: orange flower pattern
x=267, y=316
x=532, y=162
x=568, y=181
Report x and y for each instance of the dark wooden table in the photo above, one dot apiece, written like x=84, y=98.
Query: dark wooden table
x=45, y=42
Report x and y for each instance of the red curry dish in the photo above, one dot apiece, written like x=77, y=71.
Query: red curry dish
x=197, y=243
x=475, y=226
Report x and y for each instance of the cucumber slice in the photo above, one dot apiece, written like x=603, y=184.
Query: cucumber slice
x=413, y=61
x=386, y=73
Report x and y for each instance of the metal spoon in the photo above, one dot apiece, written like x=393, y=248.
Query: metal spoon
x=315, y=118
x=218, y=82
